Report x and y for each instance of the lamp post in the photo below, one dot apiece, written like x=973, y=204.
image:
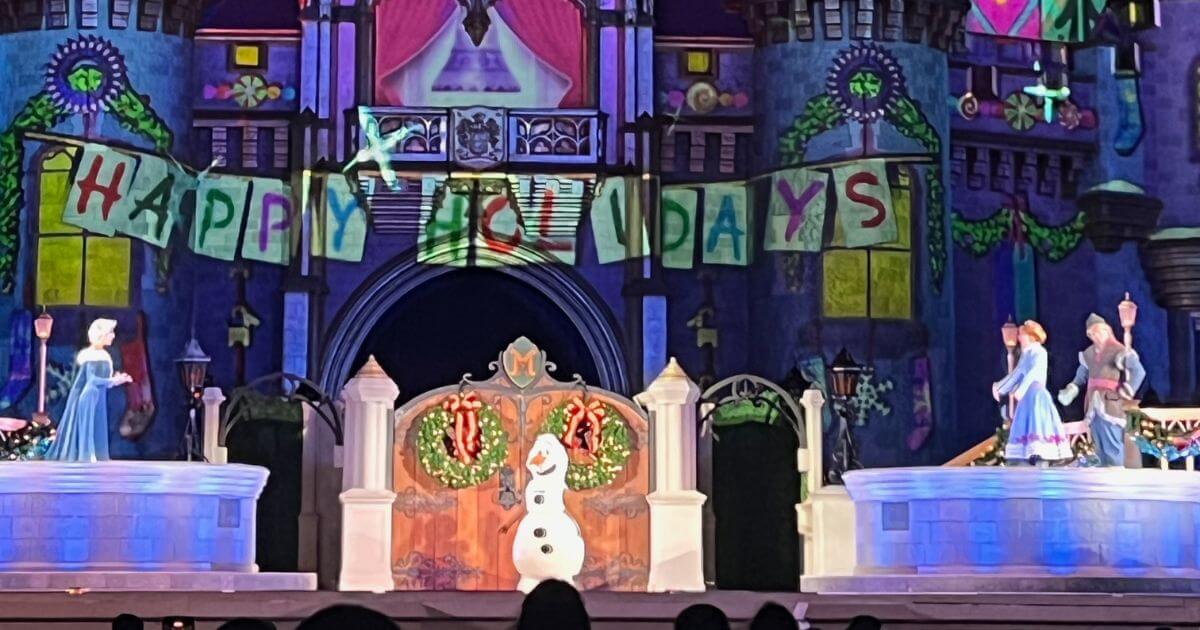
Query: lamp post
x=1008, y=332
x=1127, y=310
x=844, y=373
x=193, y=367
x=42, y=327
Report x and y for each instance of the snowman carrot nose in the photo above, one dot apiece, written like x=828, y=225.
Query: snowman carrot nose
x=538, y=459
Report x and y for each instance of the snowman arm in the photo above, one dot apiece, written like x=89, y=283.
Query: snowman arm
x=512, y=521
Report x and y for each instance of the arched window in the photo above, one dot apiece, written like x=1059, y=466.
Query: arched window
x=74, y=267
x=873, y=282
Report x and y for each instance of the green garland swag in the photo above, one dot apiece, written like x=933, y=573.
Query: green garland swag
x=436, y=459
x=1153, y=438
x=608, y=461
x=980, y=236
x=40, y=114
x=821, y=114
x=1084, y=451
x=28, y=443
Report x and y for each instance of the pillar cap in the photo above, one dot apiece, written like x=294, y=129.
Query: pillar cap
x=371, y=384
x=672, y=386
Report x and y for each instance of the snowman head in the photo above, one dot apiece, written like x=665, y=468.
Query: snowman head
x=547, y=458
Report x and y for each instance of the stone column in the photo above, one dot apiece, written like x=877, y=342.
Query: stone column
x=214, y=453
x=366, y=494
x=309, y=520
x=676, y=521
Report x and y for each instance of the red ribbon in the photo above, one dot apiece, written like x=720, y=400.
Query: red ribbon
x=465, y=408
x=590, y=416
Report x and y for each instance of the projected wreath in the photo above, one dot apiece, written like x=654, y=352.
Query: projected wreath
x=595, y=435
x=462, y=442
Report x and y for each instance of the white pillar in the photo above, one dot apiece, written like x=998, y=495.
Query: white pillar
x=366, y=495
x=213, y=451
x=676, y=520
x=813, y=402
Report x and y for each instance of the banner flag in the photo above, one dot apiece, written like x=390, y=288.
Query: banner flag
x=217, y=221
x=865, y=203
x=102, y=180
x=678, y=218
x=340, y=231
x=500, y=229
x=796, y=215
x=154, y=203
x=725, y=225
x=550, y=226
x=610, y=218
x=443, y=236
x=270, y=222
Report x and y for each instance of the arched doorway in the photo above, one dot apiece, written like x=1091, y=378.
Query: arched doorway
x=453, y=324
x=548, y=295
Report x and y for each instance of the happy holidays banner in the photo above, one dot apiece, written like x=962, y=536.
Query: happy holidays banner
x=116, y=191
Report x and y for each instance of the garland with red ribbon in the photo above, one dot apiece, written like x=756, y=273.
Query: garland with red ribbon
x=596, y=435
x=461, y=442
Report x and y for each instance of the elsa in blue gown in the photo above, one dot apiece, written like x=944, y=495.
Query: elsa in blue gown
x=82, y=434
x=1037, y=434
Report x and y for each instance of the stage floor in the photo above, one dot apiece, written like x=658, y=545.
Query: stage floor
x=610, y=611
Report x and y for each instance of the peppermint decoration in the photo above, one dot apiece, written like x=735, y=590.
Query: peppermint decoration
x=865, y=82
x=85, y=75
x=462, y=442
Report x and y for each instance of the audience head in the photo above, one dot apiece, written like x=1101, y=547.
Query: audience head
x=772, y=616
x=247, y=624
x=864, y=622
x=701, y=617
x=127, y=622
x=347, y=616
x=553, y=605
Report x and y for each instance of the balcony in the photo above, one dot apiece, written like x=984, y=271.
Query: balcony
x=486, y=138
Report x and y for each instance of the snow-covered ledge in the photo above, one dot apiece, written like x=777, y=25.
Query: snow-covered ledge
x=1094, y=522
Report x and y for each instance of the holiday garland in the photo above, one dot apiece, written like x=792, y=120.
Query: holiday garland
x=598, y=427
x=1155, y=439
x=462, y=442
x=27, y=443
x=866, y=83
x=1084, y=451
x=980, y=236
x=84, y=76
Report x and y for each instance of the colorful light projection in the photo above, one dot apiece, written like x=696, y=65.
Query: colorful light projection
x=530, y=55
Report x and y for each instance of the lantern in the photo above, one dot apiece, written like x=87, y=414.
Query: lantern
x=193, y=367
x=1008, y=332
x=845, y=372
x=42, y=326
x=1127, y=310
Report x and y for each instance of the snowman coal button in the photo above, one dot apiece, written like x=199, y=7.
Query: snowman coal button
x=539, y=499
x=539, y=533
x=547, y=549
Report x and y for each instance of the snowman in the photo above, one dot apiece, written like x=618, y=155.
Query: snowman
x=548, y=544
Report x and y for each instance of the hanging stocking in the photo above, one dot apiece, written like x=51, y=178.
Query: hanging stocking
x=922, y=404
x=20, y=370
x=1130, y=125
x=139, y=395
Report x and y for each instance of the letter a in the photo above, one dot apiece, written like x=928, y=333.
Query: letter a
x=726, y=223
x=158, y=203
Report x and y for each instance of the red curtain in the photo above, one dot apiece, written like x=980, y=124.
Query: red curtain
x=403, y=29
x=553, y=30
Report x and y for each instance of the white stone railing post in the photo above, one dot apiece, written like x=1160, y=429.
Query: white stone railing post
x=214, y=453
x=676, y=521
x=366, y=495
x=813, y=402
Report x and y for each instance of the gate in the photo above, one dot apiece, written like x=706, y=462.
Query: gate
x=752, y=431
x=459, y=477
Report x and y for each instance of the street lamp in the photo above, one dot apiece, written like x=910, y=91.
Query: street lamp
x=1009, y=332
x=1127, y=310
x=42, y=326
x=844, y=377
x=193, y=367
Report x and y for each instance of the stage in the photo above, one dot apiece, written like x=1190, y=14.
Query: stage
x=498, y=611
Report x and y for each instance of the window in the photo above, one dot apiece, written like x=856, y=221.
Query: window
x=74, y=267
x=698, y=62
x=246, y=56
x=873, y=282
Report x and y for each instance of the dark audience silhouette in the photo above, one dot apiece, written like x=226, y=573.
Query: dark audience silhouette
x=702, y=617
x=553, y=605
x=346, y=616
x=772, y=616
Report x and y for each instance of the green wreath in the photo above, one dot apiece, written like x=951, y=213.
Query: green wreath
x=435, y=456
x=607, y=461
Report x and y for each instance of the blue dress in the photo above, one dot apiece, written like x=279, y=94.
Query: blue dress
x=1037, y=430
x=83, y=430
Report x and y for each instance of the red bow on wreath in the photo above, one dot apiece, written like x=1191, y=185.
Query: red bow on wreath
x=465, y=408
x=582, y=419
